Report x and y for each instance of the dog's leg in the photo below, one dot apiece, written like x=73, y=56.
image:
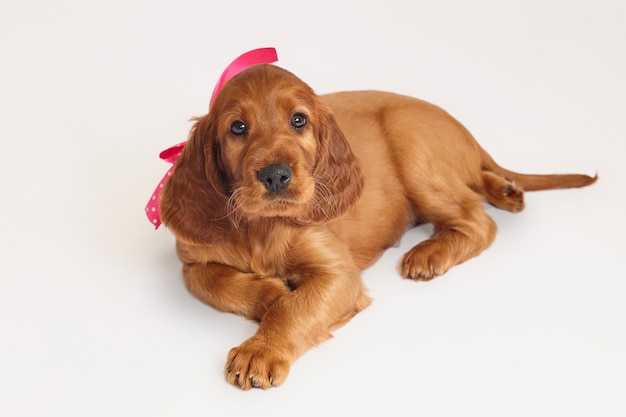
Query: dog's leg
x=462, y=230
x=226, y=289
x=328, y=293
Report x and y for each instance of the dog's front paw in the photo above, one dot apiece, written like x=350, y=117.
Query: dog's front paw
x=426, y=261
x=256, y=364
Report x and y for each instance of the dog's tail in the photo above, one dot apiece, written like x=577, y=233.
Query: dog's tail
x=536, y=182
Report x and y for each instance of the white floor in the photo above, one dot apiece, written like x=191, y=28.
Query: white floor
x=94, y=318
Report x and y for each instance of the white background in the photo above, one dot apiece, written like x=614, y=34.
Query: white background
x=94, y=317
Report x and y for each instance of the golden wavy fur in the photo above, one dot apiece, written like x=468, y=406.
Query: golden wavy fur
x=281, y=198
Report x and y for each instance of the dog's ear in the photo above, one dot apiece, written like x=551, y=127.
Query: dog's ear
x=194, y=199
x=337, y=171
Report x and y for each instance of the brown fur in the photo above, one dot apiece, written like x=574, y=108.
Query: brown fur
x=366, y=166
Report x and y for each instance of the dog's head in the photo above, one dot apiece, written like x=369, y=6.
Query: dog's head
x=268, y=148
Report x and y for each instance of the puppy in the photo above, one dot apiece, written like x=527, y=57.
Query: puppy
x=281, y=198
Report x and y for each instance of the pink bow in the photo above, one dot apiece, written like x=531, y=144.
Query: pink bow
x=254, y=57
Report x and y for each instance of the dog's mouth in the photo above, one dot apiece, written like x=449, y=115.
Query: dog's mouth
x=283, y=204
x=257, y=202
x=270, y=207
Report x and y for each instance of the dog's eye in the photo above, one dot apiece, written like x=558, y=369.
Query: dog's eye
x=298, y=121
x=239, y=128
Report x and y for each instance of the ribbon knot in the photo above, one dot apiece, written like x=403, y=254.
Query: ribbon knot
x=171, y=154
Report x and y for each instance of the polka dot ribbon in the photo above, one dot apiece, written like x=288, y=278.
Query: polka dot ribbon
x=254, y=57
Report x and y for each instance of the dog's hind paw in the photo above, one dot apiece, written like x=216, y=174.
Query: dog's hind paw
x=503, y=193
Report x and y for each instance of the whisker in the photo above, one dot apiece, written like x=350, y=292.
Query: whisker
x=232, y=211
x=324, y=199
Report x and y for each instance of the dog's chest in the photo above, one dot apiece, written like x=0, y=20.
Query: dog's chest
x=268, y=250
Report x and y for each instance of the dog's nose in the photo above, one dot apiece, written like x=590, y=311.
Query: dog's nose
x=275, y=177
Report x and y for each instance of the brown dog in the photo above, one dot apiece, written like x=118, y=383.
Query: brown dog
x=281, y=198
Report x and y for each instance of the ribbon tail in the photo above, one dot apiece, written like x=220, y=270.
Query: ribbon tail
x=152, y=208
